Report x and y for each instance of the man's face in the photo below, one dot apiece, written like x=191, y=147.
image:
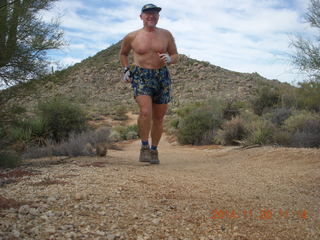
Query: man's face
x=150, y=18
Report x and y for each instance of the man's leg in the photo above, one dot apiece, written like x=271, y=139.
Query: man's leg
x=158, y=113
x=145, y=116
x=144, y=124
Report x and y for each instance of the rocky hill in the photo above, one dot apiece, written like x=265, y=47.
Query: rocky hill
x=96, y=84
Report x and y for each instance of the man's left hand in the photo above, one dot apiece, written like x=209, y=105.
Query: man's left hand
x=127, y=75
x=165, y=58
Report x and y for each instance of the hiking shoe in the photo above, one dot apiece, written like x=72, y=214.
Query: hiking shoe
x=154, y=157
x=145, y=154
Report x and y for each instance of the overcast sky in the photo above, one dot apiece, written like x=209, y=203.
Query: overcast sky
x=240, y=35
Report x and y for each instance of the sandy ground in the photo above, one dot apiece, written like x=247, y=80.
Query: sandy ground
x=208, y=192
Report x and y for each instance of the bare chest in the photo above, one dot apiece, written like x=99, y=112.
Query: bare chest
x=149, y=43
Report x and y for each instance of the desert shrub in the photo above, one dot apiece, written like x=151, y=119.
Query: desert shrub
x=9, y=159
x=132, y=132
x=232, y=132
x=115, y=136
x=282, y=137
x=122, y=130
x=259, y=132
x=307, y=134
x=184, y=111
x=197, y=122
x=309, y=95
x=133, y=128
x=305, y=129
x=29, y=131
x=127, y=132
x=278, y=115
x=132, y=135
x=249, y=116
x=193, y=126
x=171, y=124
x=76, y=145
x=82, y=144
x=174, y=123
x=62, y=118
x=289, y=97
x=208, y=137
x=16, y=133
x=298, y=120
x=231, y=109
x=265, y=97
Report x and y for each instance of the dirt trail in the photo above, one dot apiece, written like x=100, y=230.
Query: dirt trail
x=209, y=192
x=260, y=193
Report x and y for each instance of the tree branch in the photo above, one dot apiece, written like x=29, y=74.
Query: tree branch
x=7, y=4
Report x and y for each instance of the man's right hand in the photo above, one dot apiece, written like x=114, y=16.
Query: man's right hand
x=127, y=75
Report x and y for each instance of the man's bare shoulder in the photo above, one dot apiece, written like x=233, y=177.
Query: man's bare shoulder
x=165, y=31
x=133, y=34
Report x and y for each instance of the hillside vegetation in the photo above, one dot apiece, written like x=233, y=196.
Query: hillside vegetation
x=95, y=83
x=59, y=114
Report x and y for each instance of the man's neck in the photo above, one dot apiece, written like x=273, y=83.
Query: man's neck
x=149, y=29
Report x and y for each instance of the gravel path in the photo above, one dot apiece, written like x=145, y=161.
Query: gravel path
x=196, y=193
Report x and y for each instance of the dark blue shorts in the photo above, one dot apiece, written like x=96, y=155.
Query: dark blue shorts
x=155, y=83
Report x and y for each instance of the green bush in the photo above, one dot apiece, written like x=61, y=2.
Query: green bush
x=174, y=123
x=289, y=97
x=266, y=97
x=232, y=132
x=298, y=120
x=231, y=109
x=304, y=128
x=278, y=115
x=259, y=132
x=282, y=138
x=308, y=135
x=184, y=111
x=83, y=144
x=19, y=134
x=29, y=131
x=198, y=122
x=309, y=95
x=171, y=124
x=208, y=137
x=62, y=117
x=127, y=132
x=249, y=116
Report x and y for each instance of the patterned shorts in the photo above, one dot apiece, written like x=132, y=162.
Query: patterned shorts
x=155, y=83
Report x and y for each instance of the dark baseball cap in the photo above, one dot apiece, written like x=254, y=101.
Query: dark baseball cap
x=149, y=7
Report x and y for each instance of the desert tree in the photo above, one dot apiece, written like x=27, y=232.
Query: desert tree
x=307, y=52
x=307, y=58
x=25, y=39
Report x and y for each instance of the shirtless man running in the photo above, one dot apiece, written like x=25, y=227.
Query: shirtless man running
x=153, y=49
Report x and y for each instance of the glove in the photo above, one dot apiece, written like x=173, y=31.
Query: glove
x=165, y=57
x=127, y=77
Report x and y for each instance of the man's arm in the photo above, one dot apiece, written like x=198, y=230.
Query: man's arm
x=124, y=53
x=125, y=50
x=172, y=49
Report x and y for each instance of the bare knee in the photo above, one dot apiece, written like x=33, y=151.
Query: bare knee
x=158, y=120
x=145, y=114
